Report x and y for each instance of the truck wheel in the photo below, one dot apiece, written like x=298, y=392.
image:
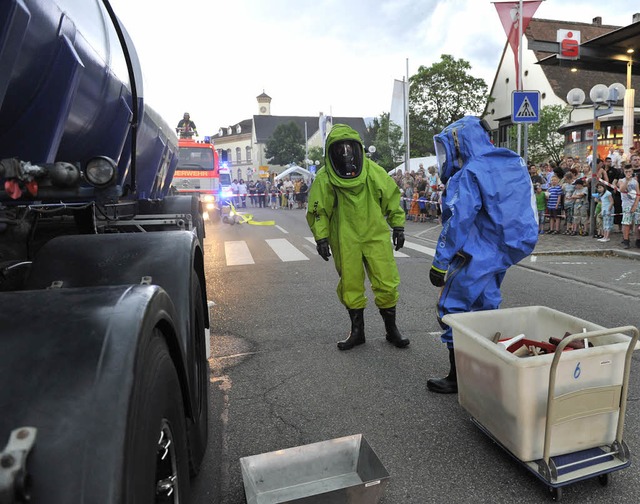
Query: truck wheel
x=156, y=459
x=199, y=430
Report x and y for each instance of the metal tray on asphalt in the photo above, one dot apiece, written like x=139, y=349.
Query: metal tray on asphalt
x=338, y=471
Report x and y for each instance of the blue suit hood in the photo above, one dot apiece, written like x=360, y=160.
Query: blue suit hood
x=488, y=209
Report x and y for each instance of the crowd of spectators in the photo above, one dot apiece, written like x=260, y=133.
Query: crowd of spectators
x=421, y=191
x=565, y=198
x=283, y=193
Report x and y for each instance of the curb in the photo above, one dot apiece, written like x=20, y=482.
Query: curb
x=575, y=278
x=603, y=252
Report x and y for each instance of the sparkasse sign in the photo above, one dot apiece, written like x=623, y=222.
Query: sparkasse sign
x=569, y=42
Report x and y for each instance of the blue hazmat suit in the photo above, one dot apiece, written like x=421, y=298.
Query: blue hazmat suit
x=489, y=218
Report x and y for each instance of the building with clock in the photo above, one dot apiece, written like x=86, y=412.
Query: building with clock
x=242, y=145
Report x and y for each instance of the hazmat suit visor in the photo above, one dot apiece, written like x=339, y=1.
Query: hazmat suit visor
x=441, y=156
x=346, y=158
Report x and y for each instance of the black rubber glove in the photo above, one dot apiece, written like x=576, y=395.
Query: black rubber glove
x=398, y=237
x=436, y=276
x=322, y=246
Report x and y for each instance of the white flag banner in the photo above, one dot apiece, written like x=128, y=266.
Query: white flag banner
x=397, y=105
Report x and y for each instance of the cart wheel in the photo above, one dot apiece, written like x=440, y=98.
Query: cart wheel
x=556, y=493
x=603, y=479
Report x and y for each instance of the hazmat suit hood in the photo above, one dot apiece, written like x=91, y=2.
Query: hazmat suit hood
x=343, y=133
x=460, y=141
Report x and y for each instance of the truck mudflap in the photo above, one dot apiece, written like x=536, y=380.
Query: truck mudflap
x=170, y=259
x=78, y=366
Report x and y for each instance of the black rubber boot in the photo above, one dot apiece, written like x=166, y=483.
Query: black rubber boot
x=625, y=244
x=356, y=336
x=448, y=384
x=637, y=243
x=393, y=335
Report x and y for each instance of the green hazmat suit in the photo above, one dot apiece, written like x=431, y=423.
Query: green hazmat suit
x=356, y=215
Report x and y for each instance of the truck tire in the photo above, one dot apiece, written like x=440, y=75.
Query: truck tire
x=156, y=466
x=199, y=428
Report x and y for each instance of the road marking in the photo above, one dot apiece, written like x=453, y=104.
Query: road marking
x=395, y=253
x=420, y=248
x=286, y=251
x=282, y=229
x=237, y=253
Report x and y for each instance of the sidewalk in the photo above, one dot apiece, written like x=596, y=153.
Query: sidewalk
x=547, y=244
x=563, y=244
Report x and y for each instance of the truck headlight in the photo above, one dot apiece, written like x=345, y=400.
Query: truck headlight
x=100, y=171
x=209, y=198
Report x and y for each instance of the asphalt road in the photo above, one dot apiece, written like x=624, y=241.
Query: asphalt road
x=279, y=381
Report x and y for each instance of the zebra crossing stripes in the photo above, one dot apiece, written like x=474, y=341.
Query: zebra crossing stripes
x=285, y=250
x=395, y=253
x=237, y=253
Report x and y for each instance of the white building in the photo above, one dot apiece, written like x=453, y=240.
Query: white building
x=555, y=80
x=242, y=145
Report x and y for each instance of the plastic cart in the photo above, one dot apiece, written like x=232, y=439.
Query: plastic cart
x=588, y=414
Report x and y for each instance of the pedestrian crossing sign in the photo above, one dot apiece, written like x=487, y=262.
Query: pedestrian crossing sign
x=525, y=106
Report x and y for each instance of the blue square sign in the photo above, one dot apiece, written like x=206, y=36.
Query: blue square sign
x=525, y=106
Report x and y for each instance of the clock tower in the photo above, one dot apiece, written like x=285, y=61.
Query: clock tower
x=264, y=103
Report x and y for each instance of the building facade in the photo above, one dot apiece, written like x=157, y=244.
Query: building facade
x=554, y=83
x=242, y=145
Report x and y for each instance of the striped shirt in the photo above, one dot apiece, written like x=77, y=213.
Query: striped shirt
x=554, y=196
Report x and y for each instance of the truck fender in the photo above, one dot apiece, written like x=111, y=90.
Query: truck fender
x=170, y=259
x=72, y=362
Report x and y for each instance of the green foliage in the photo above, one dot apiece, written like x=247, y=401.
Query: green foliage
x=386, y=137
x=439, y=95
x=544, y=141
x=286, y=145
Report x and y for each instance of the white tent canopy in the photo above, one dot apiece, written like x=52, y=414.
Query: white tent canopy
x=414, y=164
x=295, y=169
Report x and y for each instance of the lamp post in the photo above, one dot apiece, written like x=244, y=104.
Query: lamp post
x=601, y=97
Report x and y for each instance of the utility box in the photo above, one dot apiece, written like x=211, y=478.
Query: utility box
x=508, y=395
x=338, y=471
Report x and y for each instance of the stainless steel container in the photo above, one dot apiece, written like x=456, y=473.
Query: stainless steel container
x=338, y=471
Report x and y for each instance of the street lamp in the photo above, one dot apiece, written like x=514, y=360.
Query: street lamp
x=310, y=163
x=601, y=97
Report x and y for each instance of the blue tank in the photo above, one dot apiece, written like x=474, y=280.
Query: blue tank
x=66, y=95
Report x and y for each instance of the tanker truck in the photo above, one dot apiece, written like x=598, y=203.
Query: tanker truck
x=104, y=314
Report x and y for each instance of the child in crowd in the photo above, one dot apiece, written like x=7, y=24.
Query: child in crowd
x=274, y=197
x=414, y=209
x=434, y=207
x=554, y=193
x=598, y=212
x=606, y=202
x=422, y=203
x=567, y=189
x=580, y=209
x=541, y=202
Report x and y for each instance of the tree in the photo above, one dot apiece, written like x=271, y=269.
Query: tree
x=544, y=142
x=386, y=137
x=286, y=145
x=439, y=95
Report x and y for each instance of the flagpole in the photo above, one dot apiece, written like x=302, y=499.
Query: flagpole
x=519, y=76
x=407, y=152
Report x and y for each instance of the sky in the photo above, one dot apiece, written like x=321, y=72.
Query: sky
x=340, y=57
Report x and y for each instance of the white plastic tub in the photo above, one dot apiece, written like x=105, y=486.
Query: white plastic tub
x=508, y=395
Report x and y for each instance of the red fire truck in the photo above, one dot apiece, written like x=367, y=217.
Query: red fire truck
x=198, y=171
